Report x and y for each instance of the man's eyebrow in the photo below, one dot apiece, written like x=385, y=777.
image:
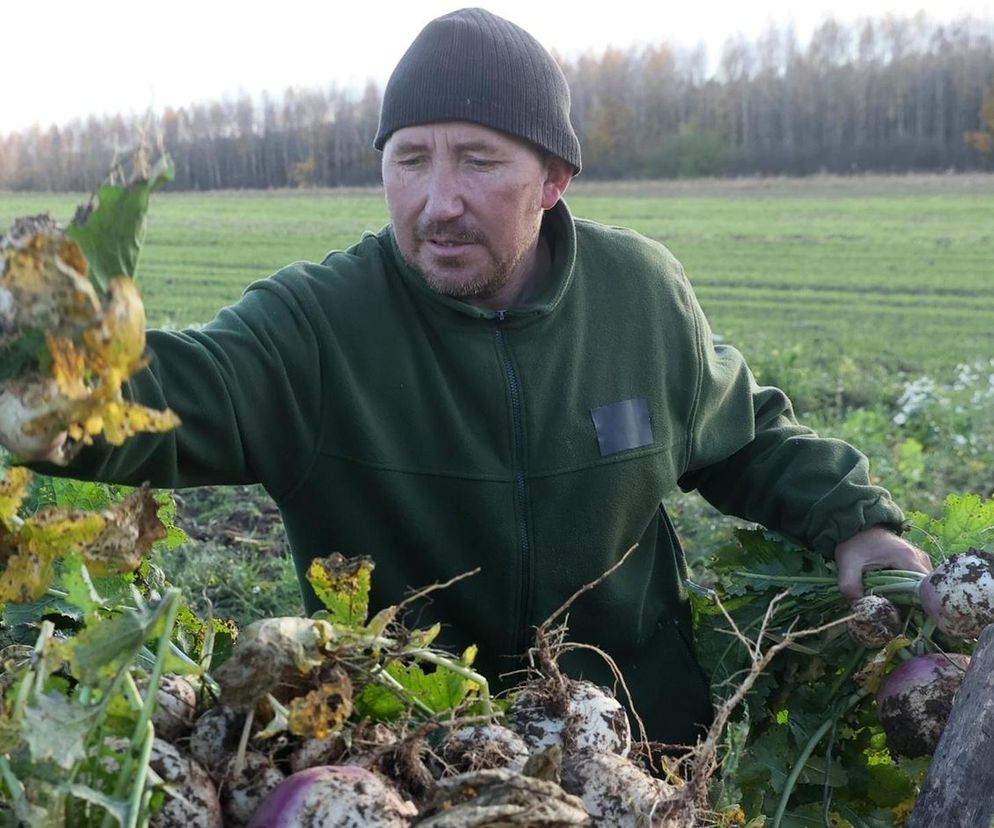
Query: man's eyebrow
x=411, y=145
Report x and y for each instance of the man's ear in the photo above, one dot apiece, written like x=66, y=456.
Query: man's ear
x=558, y=175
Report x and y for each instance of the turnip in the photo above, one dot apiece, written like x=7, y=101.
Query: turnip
x=501, y=798
x=618, y=794
x=333, y=795
x=177, y=704
x=484, y=746
x=875, y=621
x=216, y=734
x=244, y=788
x=191, y=799
x=309, y=753
x=574, y=714
x=915, y=700
x=959, y=594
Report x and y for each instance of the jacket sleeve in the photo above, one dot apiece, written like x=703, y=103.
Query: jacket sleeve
x=246, y=389
x=747, y=454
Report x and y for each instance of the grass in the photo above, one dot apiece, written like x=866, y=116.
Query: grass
x=892, y=271
x=846, y=292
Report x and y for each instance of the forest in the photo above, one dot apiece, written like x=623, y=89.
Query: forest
x=893, y=95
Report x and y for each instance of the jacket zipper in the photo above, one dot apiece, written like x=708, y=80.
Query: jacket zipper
x=520, y=489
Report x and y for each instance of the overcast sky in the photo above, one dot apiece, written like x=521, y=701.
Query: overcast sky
x=60, y=59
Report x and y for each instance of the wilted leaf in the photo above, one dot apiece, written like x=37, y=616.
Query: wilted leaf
x=322, y=711
x=131, y=527
x=13, y=490
x=26, y=574
x=110, y=230
x=342, y=585
x=46, y=274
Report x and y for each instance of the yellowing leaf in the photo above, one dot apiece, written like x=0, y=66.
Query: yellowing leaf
x=58, y=532
x=47, y=275
x=122, y=420
x=322, y=711
x=28, y=555
x=26, y=574
x=342, y=585
x=13, y=489
x=68, y=367
x=116, y=346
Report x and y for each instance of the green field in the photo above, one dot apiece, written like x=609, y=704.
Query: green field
x=896, y=272
x=862, y=297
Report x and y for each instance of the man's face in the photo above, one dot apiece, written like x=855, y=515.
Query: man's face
x=466, y=205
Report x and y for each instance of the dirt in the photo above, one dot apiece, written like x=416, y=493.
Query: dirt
x=232, y=515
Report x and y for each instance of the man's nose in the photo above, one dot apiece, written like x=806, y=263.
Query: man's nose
x=444, y=199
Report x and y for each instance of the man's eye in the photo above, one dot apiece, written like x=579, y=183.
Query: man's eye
x=411, y=162
x=481, y=163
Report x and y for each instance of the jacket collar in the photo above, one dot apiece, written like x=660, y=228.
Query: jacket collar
x=559, y=230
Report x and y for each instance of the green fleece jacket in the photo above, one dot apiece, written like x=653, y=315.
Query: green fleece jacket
x=537, y=444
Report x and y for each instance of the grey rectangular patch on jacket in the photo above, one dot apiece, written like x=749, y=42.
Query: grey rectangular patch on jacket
x=622, y=425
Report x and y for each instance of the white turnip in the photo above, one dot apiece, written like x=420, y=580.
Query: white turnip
x=177, y=705
x=216, y=734
x=244, y=787
x=484, y=746
x=915, y=700
x=618, y=794
x=573, y=714
x=959, y=594
x=333, y=795
x=875, y=621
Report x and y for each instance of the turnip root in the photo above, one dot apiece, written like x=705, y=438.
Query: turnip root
x=310, y=753
x=580, y=715
x=243, y=789
x=620, y=795
x=499, y=797
x=959, y=594
x=215, y=735
x=333, y=795
x=480, y=747
x=875, y=621
x=191, y=799
x=177, y=705
x=915, y=700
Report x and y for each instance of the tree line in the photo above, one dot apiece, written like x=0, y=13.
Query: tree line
x=896, y=94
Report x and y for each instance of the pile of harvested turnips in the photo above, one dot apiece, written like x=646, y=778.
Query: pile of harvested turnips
x=116, y=710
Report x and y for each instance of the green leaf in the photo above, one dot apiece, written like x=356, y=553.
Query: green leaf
x=110, y=229
x=441, y=690
x=342, y=585
x=76, y=581
x=55, y=729
x=102, y=648
x=966, y=522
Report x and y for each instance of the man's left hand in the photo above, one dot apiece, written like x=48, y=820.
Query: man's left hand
x=875, y=548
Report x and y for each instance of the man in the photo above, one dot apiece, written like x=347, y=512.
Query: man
x=491, y=382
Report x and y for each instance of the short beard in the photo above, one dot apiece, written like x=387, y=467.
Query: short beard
x=485, y=285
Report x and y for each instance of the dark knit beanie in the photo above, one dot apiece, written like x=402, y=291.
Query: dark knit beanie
x=472, y=65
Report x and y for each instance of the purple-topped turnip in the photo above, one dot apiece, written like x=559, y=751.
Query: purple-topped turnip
x=343, y=796
x=959, y=594
x=915, y=700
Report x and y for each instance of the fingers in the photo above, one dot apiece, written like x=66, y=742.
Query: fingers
x=850, y=579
